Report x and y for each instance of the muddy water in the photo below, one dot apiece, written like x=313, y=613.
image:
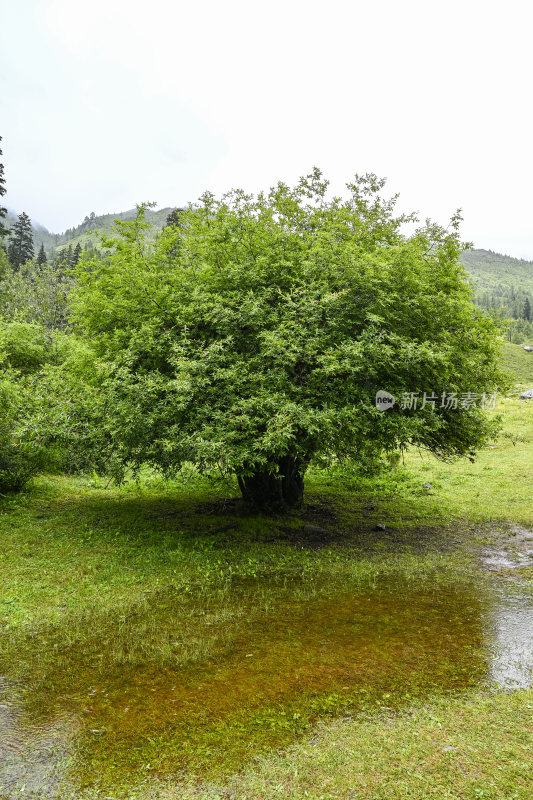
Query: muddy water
x=82, y=726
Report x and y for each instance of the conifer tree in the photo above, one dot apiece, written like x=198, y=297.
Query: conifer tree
x=526, y=313
x=20, y=247
x=3, y=211
x=41, y=257
x=173, y=221
x=173, y=218
x=76, y=255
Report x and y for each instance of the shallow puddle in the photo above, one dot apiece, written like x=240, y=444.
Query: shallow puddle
x=82, y=726
x=511, y=640
x=510, y=619
x=496, y=560
x=32, y=751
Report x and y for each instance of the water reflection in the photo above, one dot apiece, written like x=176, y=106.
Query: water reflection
x=511, y=643
x=33, y=751
x=382, y=645
x=509, y=622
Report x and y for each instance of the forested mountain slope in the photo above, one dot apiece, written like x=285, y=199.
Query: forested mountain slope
x=501, y=283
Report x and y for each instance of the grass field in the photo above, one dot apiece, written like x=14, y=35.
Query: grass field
x=108, y=593
x=519, y=362
x=464, y=749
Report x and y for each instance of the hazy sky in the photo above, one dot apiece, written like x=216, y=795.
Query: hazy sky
x=113, y=102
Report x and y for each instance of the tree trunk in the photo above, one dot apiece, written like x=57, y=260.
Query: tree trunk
x=274, y=491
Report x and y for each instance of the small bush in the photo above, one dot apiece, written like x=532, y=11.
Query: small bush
x=27, y=347
x=36, y=419
x=23, y=346
x=20, y=459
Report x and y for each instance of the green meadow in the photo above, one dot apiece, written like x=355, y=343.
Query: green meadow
x=158, y=641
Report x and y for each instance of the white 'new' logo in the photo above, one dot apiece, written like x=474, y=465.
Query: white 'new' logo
x=384, y=400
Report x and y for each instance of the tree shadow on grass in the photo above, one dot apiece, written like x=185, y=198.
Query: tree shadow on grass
x=197, y=514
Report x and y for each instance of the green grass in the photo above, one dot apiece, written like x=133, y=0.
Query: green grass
x=496, y=487
x=519, y=363
x=466, y=749
x=119, y=588
x=106, y=587
x=76, y=558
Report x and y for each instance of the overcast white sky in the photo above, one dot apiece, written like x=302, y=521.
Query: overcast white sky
x=107, y=103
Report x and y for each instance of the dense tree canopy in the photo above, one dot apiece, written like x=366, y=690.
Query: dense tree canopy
x=253, y=337
x=36, y=293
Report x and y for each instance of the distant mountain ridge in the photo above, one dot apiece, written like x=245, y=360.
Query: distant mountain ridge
x=501, y=282
x=86, y=232
x=490, y=269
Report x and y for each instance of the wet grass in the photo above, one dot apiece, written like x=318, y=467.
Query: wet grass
x=78, y=562
x=175, y=631
x=166, y=633
x=282, y=673
x=475, y=748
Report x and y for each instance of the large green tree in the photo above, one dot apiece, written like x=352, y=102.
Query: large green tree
x=20, y=249
x=254, y=337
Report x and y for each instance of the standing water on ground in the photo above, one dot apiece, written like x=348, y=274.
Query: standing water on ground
x=511, y=635
x=510, y=620
x=77, y=724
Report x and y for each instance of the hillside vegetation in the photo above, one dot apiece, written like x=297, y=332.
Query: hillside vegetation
x=502, y=283
x=491, y=272
x=518, y=362
x=492, y=269
x=87, y=232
